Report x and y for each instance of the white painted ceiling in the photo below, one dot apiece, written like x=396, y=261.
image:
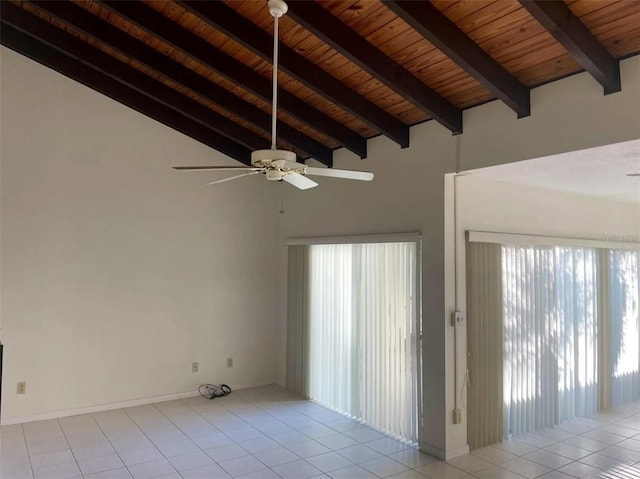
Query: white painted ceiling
x=600, y=171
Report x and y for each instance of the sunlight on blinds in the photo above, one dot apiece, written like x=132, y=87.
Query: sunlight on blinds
x=624, y=291
x=570, y=333
x=550, y=335
x=332, y=355
x=362, y=316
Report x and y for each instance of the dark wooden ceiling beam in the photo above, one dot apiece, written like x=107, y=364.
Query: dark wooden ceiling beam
x=225, y=65
x=58, y=61
x=81, y=51
x=575, y=37
x=127, y=45
x=343, y=39
x=433, y=25
x=243, y=31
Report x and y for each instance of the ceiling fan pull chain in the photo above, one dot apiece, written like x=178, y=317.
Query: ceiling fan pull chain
x=282, y=197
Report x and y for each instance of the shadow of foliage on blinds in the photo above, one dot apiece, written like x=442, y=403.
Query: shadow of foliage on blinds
x=554, y=333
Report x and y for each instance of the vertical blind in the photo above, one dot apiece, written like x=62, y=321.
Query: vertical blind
x=550, y=335
x=624, y=291
x=569, y=331
x=485, y=408
x=298, y=341
x=360, y=311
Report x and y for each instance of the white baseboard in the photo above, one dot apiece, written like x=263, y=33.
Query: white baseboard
x=432, y=450
x=249, y=385
x=457, y=452
x=7, y=421
x=445, y=455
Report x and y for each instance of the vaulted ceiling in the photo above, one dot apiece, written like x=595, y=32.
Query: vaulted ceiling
x=349, y=69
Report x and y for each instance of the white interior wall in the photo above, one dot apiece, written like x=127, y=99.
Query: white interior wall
x=408, y=194
x=489, y=205
x=117, y=271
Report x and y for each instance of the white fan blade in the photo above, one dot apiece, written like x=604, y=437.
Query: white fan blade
x=233, y=178
x=299, y=181
x=214, y=168
x=292, y=165
x=348, y=174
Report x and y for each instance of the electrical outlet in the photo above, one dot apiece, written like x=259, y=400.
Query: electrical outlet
x=194, y=367
x=458, y=319
x=229, y=362
x=22, y=387
x=457, y=416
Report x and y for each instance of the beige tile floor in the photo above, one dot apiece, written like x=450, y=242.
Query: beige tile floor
x=269, y=433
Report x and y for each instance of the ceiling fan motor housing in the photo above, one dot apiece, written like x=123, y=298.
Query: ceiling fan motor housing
x=260, y=158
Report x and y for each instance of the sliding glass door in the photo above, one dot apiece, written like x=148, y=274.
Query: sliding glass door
x=568, y=320
x=362, y=327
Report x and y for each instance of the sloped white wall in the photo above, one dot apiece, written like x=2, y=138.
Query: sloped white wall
x=408, y=194
x=118, y=272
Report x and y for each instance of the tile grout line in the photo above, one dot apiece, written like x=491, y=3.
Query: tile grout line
x=222, y=432
x=26, y=446
x=66, y=439
x=196, y=444
x=362, y=443
x=250, y=453
x=133, y=421
x=111, y=444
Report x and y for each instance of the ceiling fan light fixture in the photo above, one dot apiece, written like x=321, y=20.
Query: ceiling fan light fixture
x=274, y=175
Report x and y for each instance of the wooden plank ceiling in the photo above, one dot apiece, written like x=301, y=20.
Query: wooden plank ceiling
x=349, y=69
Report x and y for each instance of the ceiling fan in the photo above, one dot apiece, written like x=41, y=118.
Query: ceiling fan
x=277, y=164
